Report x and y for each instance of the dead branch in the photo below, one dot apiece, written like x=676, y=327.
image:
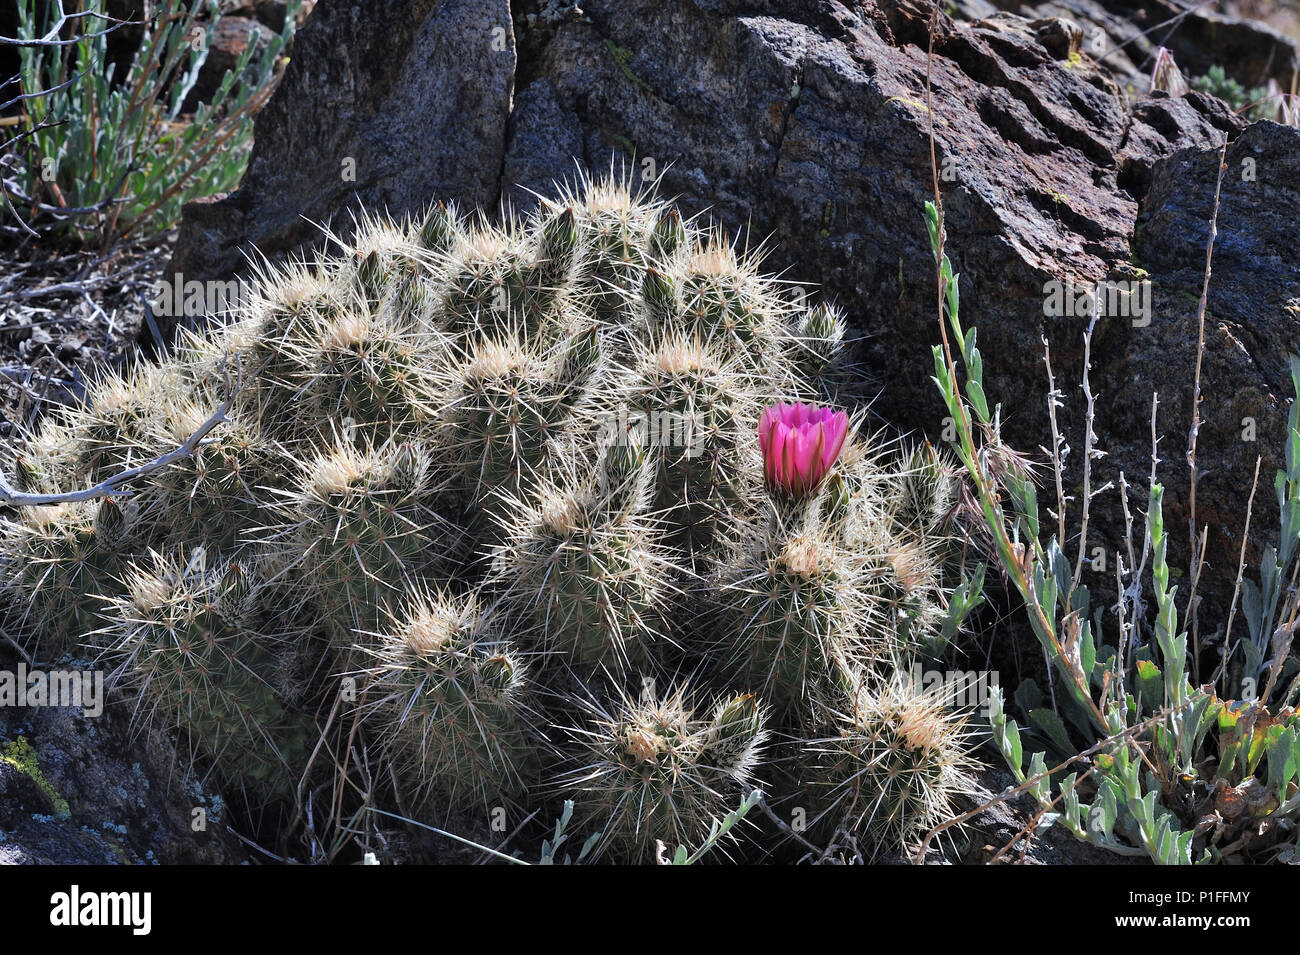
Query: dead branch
x=112, y=486
x=52, y=37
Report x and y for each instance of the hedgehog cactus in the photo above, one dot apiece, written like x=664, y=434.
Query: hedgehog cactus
x=109, y=433
x=687, y=399
x=654, y=771
x=795, y=611
x=447, y=703
x=926, y=497
x=361, y=524
x=456, y=432
x=183, y=639
x=213, y=494
x=596, y=580
x=894, y=764
x=500, y=427
x=61, y=562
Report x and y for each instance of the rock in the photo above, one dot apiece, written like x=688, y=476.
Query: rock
x=1124, y=34
x=268, y=12
x=1252, y=324
x=805, y=123
x=544, y=137
x=384, y=105
x=231, y=37
x=77, y=789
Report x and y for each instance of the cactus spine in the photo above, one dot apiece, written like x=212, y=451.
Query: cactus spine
x=447, y=701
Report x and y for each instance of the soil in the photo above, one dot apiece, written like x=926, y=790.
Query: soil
x=66, y=315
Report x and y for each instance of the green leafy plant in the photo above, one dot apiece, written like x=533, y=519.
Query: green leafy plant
x=1173, y=772
x=1253, y=103
x=108, y=155
x=719, y=828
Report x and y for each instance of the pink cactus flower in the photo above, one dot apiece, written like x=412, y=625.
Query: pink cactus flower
x=800, y=443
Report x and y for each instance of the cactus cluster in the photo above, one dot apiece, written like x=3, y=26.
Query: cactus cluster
x=490, y=501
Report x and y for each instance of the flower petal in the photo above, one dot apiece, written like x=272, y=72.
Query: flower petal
x=838, y=427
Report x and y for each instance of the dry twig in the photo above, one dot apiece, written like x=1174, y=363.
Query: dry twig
x=112, y=486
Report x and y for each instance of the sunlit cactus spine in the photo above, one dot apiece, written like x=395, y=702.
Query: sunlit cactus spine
x=816, y=343
x=496, y=279
x=616, y=228
x=109, y=432
x=925, y=502
x=736, y=734
x=264, y=348
x=653, y=771
x=875, y=511
x=350, y=370
x=438, y=228
x=370, y=377
x=727, y=303
x=623, y=481
x=539, y=290
x=794, y=597
x=189, y=641
x=906, y=587
x=591, y=578
x=447, y=699
x=893, y=765
x=668, y=236
x=660, y=300
x=59, y=564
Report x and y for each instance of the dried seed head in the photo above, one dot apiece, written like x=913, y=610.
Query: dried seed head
x=680, y=358
x=349, y=330
x=495, y=360
x=428, y=632
x=643, y=745
x=151, y=592
x=336, y=472
x=802, y=557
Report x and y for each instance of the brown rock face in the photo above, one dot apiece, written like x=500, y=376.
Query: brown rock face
x=385, y=105
x=804, y=122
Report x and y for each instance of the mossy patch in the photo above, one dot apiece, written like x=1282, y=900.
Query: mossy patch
x=622, y=56
x=21, y=756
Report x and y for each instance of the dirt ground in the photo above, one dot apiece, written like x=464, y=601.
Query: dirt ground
x=65, y=316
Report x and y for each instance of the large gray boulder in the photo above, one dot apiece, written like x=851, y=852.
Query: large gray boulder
x=386, y=104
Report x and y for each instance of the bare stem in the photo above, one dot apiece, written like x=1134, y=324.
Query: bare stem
x=112, y=486
x=1194, y=432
